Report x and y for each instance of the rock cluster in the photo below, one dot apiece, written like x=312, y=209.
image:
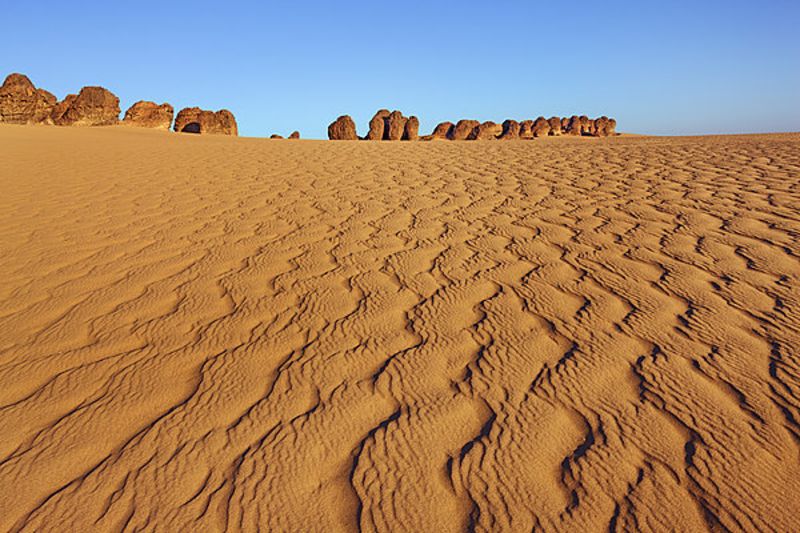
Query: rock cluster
x=385, y=125
x=22, y=103
x=472, y=130
x=149, y=115
x=196, y=120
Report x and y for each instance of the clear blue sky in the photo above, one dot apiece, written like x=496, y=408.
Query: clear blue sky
x=676, y=67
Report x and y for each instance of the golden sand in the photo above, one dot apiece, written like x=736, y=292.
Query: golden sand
x=215, y=333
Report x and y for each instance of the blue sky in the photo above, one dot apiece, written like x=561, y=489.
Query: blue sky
x=678, y=67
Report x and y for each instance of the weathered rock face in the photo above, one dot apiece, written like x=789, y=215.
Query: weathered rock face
x=442, y=130
x=377, y=125
x=61, y=107
x=463, y=129
x=196, y=120
x=604, y=127
x=541, y=127
x=510, y=130
x=555, y=125
x=22, y=103
x=342, y=129
x=526, y=129
x=93, y=106
x=411, y=129
x=486, y=131
x=395, y=126
x=574, y=125
x=149, y=115
x=294, y=135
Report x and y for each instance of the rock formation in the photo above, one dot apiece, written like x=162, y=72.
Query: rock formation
x=411, y=130
x=93, y=106
x=294, y=135
x=276, y=136
x=541, y=127
x=486, y=131
x=196, y=120
x=604, y=127
x=149, y=115
x=395, y=126
x=526, y=129
x=574, y=125
x=377, y=125
x=510, y=130
x=22, y=103
x=463, y=129
x=555, y=125
x=443, y=130
x=342, y=129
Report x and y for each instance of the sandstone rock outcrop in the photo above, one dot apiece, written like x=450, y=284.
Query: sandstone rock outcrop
x=196, y=120
x=555, y=125
x=294, y=135
x=276, y=136
x=510, y=130
x=395, y=126
x=541, y=127
x=526, y=129
x=22, y=103
x=93, y=106
x=463, y=129
x=486, y=131
x=574, y=125
x=411, y=129
x=149, y=115
x=377, y=125
x=443, y=130
x=61, y=107
x=342, y=129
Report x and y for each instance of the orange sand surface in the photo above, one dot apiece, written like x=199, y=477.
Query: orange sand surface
x=215, y=333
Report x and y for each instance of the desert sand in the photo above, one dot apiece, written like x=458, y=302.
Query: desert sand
x=216, y=333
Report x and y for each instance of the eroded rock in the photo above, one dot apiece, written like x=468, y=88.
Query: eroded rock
x=201, y=121
x=342, y=129
x=149, y=115
x=22, y=103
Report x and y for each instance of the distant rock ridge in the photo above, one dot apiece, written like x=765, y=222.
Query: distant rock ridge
x=388, y=125
x=202, y=121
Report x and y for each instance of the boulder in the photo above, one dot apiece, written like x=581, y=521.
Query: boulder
x=276, y=136
x=541, y=127
x=395, y=126
x=411, y=129
x=149, y=115
x=342, y=129
x=463, y=129
x=526, y=129
x=377, y=125
x=564, y=124
x=574, y=125
x=442, y=130
x=604, y=127
x=510, y=130
x=22, y=103
x=486, y=131
x=611, y=127
x=196, y=120
x=294, y=135
x=555, y=125
x=587, y=125
x=93, y=106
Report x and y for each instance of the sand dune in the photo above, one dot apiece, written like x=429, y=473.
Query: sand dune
x=212, y=333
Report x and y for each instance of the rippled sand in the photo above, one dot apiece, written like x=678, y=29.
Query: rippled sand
x=211, y=333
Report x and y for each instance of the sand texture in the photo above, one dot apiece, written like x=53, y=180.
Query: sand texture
x=212, y=333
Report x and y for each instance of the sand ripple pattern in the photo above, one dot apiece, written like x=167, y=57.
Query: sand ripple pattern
x=214, y=334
